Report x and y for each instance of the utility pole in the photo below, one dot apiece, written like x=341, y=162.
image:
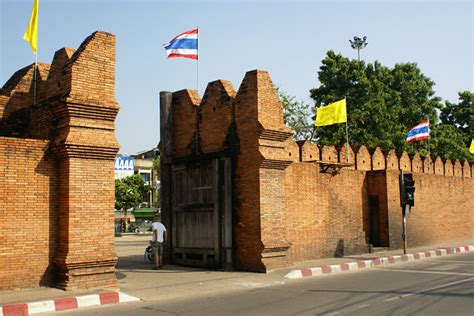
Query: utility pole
x=359, y=43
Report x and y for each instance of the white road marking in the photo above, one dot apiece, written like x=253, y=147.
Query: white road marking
x=251, y=284
x=430, y=272
x=436, y=287
x=460, y=262
x=347, y=310
x=426, y=290
x=446, y=267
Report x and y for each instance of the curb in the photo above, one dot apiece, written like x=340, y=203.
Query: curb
x=61, y=304
x=359, y=265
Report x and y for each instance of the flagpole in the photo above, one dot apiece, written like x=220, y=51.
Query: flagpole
x=197, y=63
x=429, y=155
x=429, y=152
x=34, y=77
x=347, y=135
x=347, y=144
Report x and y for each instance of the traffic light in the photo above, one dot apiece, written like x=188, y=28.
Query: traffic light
x=407, y=189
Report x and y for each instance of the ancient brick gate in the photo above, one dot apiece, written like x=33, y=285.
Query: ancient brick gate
x=57, y=152
x=201, y=213
x=284, y=209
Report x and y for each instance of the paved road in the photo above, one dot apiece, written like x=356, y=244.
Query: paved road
x=439, y=286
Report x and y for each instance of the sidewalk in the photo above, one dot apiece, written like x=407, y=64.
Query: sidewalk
x=138, y=280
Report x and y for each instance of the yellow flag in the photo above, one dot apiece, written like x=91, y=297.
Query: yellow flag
x=471, y=149
x=334, y=113
x=31, y=34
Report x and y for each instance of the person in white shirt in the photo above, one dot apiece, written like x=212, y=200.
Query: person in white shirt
x=159, y=237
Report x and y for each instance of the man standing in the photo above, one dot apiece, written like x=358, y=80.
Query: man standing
x=159, y=237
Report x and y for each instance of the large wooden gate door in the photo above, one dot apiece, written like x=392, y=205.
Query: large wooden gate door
x=202, y=214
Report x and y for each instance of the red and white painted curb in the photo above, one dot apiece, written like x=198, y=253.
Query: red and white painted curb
x=358, y=265
x=61, y=304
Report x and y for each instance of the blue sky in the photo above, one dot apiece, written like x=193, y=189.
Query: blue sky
x=287, y=38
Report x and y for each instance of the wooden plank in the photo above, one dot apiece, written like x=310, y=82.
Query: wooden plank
x=196, y=213
x=216, y=222
x=173, y=227
x=227, y=213
x=166, y=150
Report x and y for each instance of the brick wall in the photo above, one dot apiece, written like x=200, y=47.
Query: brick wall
x=443, y=210
x=246, y=187
x=324, y=217
x=28, y=191
x=285, y=209
x=185, y=104
x=216, y=115
x=59, y=182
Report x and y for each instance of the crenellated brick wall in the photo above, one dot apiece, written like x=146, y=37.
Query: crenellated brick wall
x=57, y=154
x=285, y=209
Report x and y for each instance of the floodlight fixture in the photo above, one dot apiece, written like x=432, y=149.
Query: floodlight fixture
x=358, y=43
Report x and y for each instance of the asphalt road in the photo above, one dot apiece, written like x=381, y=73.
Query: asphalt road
x=438, y=286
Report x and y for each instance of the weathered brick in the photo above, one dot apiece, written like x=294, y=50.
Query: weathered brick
x=57, y=173
x=285, y=209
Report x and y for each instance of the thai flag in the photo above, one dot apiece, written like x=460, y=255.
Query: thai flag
x=184, y=45
x=419, y=132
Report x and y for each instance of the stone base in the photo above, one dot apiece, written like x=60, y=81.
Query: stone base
x=86, y=275
x=275, y=257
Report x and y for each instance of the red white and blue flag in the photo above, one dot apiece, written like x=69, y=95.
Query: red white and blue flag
x=420, y=131
x=184, y=45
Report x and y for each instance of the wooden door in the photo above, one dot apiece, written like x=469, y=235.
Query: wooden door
x=200, y=218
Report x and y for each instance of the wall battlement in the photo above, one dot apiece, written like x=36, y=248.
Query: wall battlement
x=375, y=159
x=208, y=120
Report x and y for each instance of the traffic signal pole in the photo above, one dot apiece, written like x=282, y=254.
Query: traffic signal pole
x=404, y=232
x=403, y=204
x=407, y=201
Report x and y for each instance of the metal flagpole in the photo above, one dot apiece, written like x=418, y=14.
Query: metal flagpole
x=429, y=152
x=34, y=77
x=197, y=63
x=197, y=83
x=347, y=143
x=347, y=135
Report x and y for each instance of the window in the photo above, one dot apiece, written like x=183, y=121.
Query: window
x=145, y=177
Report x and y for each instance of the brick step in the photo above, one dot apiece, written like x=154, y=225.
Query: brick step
x=379, y=249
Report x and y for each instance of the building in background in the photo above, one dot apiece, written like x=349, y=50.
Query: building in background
x=143, y=165
x=123, y=167
x=140, y=163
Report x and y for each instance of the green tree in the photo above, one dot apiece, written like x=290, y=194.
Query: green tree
x=297, y=115
x=461, y=115
x=157, y=165
x=156, y=168
x=448, y=141
x=382, y=103
x=129, y=192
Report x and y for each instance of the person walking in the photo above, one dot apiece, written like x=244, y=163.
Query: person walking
x=159, y=237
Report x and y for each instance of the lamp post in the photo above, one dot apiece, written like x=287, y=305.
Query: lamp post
x=358, y=43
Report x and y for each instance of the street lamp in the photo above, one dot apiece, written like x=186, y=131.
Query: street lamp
x=358, y=44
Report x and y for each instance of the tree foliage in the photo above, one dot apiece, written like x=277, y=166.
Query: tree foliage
x=157, y=168
x=129, y=192
x=297, y=115
x=461, y=115
x=157, y=164
x=447, y=141
x=384, y=103
x=452, y=137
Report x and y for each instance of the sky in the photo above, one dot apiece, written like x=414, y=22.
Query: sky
x=289, y=39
